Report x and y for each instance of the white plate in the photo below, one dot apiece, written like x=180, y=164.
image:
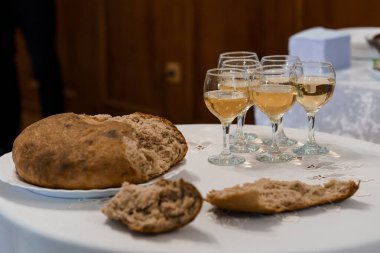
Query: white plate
x=8, y=175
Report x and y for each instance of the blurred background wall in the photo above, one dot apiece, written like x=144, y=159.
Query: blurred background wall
x=122, y=56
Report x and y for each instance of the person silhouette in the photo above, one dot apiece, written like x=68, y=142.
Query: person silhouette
x=36, y=20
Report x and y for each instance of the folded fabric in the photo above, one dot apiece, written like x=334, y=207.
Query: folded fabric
x=321, y=44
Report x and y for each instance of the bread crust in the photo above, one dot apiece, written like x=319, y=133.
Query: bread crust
x=162, y=207
x=271, y=196
x=71, y=151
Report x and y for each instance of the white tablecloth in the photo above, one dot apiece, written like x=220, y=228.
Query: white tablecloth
x=353, y=111
x=33, y=223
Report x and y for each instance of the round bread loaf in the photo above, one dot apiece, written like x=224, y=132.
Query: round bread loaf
x=71, y=151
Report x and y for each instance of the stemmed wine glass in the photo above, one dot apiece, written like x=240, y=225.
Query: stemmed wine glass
x=287, y=60
x=226, y=94
x=242, y=144
x=238, y=55
x=316, y=83
x=274, y=95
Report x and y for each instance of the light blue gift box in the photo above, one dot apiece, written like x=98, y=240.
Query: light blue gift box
x=321, y=44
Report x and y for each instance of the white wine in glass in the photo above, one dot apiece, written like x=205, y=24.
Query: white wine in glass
x=225, y=104
x=274, y=100
x=226, y=94
x=274, y=96
x=287, y=60
x=316, y=83
x=245, y=56
x=314, y=92
x=242, y=141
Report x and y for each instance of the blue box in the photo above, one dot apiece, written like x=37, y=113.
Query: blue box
x=321, y=44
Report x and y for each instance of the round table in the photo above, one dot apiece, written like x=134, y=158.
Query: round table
x=34, y=223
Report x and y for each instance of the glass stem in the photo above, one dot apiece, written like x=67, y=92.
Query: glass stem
x=275, y=128
x=280, y=133
x=240, y=124
x=239, y=128
x=226, y=140
x=311, y=124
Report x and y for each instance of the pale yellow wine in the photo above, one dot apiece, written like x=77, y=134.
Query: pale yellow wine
x=226, y=104
x=314, y=92
x=237, y=85
x=274, y=100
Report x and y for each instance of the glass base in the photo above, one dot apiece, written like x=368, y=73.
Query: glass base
x=247, y=136
x=310, y=149
x=244, y=148
x=250, y=136
x=282, y=142
x=226, y=160
x=274, y=158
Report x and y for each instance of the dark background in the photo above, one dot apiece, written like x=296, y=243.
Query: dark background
x=118, y=56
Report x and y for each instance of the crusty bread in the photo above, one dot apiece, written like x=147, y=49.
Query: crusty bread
x=270, y=196
x=161, y=207
x=71, y=151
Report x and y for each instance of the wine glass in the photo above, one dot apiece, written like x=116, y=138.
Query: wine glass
x=274, y=95
x=226, y=94
x=242, y=144
x=288, y=60
x=241, y=55
x=236, y=55
x=316, y=83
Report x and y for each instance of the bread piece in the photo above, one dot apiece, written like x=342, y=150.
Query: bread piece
x=161, y=207
x=71, y=151
x=270, y=196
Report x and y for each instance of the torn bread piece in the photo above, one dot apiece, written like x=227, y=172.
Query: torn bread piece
x=271, y=196
x=160, y=207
